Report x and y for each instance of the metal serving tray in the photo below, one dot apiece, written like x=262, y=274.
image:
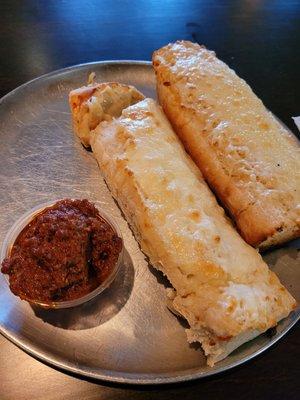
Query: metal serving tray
x=126, y=334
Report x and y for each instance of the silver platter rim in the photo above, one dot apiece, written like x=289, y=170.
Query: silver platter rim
x=141, y=379
x=72, y=68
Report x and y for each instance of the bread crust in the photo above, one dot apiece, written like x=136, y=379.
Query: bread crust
x=249, y=160
x=99, y=102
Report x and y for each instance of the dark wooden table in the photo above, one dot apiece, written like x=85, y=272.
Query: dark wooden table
x=259, y=39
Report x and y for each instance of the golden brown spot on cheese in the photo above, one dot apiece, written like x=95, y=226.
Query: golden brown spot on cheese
x=230, y=308
x=190, y=276
x=224, y=338
x=128, y=171
x=121, y=163
x=272, y=278
x=121, y=134
x=130, y=144
x=195, y=215
x=217, y=239
x=191, y=198
x=213, y=274
x=264, y=126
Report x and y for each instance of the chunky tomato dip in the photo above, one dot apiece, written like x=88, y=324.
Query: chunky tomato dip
x=65, y=252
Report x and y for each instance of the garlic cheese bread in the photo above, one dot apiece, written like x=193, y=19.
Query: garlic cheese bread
x=221, y=285
x=248, y=158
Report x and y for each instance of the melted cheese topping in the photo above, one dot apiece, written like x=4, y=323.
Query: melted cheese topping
x=260, y=157
x=221, y=283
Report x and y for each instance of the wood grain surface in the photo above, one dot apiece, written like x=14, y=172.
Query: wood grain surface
x=259, y=39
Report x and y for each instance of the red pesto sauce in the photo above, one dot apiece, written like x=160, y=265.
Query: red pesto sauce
x=65, y=252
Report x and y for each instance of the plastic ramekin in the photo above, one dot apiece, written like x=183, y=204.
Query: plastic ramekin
x=24, y=220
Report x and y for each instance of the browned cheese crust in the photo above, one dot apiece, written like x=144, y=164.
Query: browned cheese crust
x=250, y=161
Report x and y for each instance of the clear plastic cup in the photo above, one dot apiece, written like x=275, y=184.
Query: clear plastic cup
x=24, y=220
